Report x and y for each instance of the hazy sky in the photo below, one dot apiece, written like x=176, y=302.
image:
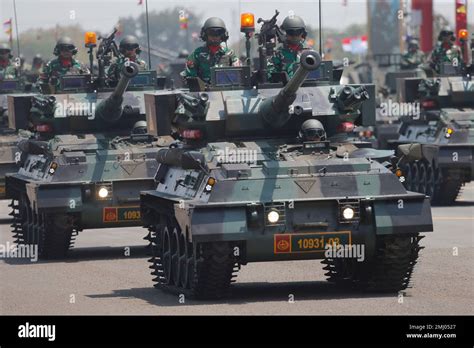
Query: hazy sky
x=102, y=15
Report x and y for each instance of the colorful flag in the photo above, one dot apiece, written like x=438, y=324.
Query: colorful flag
x=355, y=44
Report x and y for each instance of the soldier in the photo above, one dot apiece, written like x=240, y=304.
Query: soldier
x=445, y=51
x=130, y=49
x=64, y=64
x=414, y=57
x=8, y=69
x=286, y=58
x=37, y=64
x=213, y=53
x=312, y=130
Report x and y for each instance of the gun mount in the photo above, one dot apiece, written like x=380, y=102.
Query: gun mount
x=111, y=109
x=275, y=110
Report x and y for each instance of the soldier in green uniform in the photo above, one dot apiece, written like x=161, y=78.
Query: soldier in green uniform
x=130, y=49
x=214, y=53
x=414, y=57
x=286, y=58
x=445, y=51
x=8, y=69
x=64, y=64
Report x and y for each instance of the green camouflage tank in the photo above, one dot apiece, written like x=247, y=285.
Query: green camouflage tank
x=244, y=184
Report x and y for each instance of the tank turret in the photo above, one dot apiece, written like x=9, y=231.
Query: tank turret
x=110, y=109
x=275, y=110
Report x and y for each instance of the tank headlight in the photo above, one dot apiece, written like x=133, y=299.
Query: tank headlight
x=273, y=217
x=348, y=213
x=103, y=192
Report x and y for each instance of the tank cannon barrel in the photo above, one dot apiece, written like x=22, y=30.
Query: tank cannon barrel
x=275, y=110
x=110, y=109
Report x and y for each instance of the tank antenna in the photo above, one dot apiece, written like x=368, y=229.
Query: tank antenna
x=148, y=34
x=17, y=35
x=320, y=37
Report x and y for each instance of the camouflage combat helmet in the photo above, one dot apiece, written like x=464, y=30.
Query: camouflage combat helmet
x=129, y=41
x=183, y=54
x=312, y=130
x=64, y=41
x=5, y=47
x=295, y=24
x=446, y=31
x=413, y=43
x=140, y=127
x=37, y=58
x=217, y=24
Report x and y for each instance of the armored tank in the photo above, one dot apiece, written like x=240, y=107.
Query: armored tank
x=249, y=181
x=437, y=120
x=88, y=161
x=9, y=138
x=443, y=131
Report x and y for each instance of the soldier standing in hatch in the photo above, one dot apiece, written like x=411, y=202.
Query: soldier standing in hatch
x=8, y=69
x=445, y=51
x=287, y=58
x=130, y=49
x=414, y=57
x=214, y=53
x=64, y=64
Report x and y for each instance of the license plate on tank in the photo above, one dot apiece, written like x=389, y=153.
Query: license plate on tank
x=121, y=214
x=292, y=243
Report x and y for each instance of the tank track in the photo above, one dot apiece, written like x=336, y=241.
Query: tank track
x=448, y=189
x=202, y=271
x=389, y=271
x=424, y=177
x=30, y=228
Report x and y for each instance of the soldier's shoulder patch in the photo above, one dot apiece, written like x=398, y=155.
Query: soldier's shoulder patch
x=190, y=63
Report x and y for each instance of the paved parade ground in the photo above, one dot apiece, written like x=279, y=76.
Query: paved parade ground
x=99, y=279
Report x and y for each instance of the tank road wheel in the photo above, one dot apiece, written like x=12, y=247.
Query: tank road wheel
x=57, y=233
x=447, y=189
x=430, y=180
x=166, y=255
x=183, y=253
x=390, y=270
x=175, y=274
x=422, y=177
x=201, y=271
x=415, y=175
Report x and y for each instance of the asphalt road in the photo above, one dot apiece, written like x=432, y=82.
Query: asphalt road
x=99, y=279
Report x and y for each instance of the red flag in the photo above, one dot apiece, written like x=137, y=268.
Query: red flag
x=140, y=2
x=9, y=22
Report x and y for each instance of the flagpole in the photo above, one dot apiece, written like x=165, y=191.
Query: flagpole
x=148, y=35
x=320, y=34
x=16, y=26
x=10, y=33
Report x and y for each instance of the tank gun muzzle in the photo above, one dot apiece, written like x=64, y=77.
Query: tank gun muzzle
x=110, y=109
x=275, y=110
